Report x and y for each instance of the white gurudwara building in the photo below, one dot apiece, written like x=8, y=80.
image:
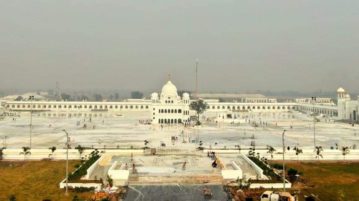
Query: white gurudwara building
x=168, y=107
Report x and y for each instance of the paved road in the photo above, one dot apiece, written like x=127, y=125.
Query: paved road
x=174, y=193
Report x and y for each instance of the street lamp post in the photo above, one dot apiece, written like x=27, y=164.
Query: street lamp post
x=67, y=160
x=314, y=140
x=4, y=141
x=283, y=160
x=31, y=98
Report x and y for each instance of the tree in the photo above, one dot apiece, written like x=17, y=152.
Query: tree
x=252, y=151
x=109, y=180
x=145, y=142
x=19, y=98
x=84, y=98
x=318, y=152
x=292, y=174
x=117, y=96
x=25, y=151
x=271, y=150
x=80, y=149
x=238, y=147
x=76, y=198
x=136, y=94
x=345, y=151
x=53, y=149
x=199, y=106
x=65, y=96
x=297, y=152
x=1, y=153
x=12, y=198
x=98, y=97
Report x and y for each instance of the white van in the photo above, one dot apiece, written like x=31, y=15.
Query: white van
x=280, y=196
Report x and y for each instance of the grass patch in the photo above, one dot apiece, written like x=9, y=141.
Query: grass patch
x=35, y=180
x=330, y=181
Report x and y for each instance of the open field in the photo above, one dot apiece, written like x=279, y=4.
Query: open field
x=35, y=180
x=330, y=181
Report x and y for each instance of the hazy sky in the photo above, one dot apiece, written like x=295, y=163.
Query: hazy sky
x=302, y=45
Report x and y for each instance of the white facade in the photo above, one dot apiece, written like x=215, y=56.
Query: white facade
x=170, y=108
x=347, y=108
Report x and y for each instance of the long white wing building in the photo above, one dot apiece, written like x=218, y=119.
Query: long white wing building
x=167, y=107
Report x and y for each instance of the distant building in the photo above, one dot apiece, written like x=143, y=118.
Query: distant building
x=347, y=108
x=242, y=98
x=170, y=108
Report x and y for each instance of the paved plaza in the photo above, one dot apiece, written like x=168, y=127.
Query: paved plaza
x=125, y=131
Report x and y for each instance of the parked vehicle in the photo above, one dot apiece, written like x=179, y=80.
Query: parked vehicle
x=277, y=196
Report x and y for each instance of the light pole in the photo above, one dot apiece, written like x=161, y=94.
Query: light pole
x=31, y=98
x=4, y=142
x=197, y=61
x=313, y=102
x=283, y=160
x=67, y=161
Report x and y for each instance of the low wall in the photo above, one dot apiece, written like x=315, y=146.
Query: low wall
x=92, y=168
x=97, y=186
x=232, y=174
x=258, y=170
x=60, y=154
x=119, y=176
x=307, y=155
x=270, y=185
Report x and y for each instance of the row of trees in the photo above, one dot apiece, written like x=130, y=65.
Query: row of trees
x=27, y=151
x=94, y=97
x=100, y=97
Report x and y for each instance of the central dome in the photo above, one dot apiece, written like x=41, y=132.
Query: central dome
x=341, y=90
x=169, y=89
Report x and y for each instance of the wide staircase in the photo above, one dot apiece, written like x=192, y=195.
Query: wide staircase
x=177, y=179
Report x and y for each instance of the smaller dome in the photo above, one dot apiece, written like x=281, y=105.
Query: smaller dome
x=341, y=90
x=154, y=96
x=185, y=95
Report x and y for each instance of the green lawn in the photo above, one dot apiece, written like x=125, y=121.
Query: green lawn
x=330, y=181
x=34, y=181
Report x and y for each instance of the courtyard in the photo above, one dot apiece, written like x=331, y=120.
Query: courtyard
x=109, y=130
